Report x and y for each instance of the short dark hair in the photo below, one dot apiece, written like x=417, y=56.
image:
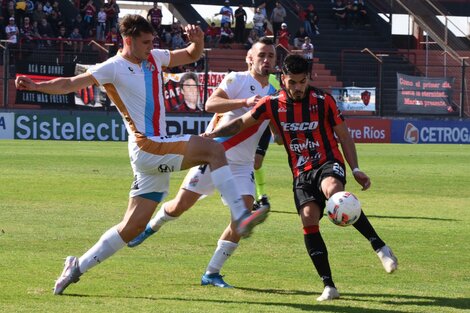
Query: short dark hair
x=295, y=64
x=188, y=75
x=265, y=40
x=133, y=25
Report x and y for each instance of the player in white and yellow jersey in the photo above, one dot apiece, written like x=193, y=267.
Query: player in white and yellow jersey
x=236, y=95
x=132, y=80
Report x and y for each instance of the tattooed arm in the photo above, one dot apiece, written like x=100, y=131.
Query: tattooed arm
x=233, y=127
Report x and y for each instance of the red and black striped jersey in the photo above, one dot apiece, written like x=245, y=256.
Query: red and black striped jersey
x=305, y=126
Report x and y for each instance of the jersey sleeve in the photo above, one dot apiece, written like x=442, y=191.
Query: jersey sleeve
x=163, y=56
x=230, y=85
x=259, y=111
x=103, y=73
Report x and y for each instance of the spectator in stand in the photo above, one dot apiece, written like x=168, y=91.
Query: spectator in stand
x=112, y=13
x=240, y=23
x=47, y=8
x=45, y=31
x=361, y=16
x=89, y=12
x=212, y=35
x=101, y=25
x=283, y=37
x=79, y=23
x=226, y=36
x=252, y=38
x=277, y=18
x=259, y=20
x=27, y=34
x=55, y=21
x=113, y=41
x=299, y=37
x=227, y=14
x=29, y=9
x=177, y=41
x=307, y=52
x=311, y=21
x=38, y=13
x=77, y=42
x=11, y=31
x=63, y=44
x=154, y=16
x=340, y=15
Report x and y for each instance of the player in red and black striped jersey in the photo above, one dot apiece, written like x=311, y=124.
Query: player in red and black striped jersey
x=312, y=128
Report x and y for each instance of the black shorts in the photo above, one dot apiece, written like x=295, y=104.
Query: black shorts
x=263, y=143
x=307, y=186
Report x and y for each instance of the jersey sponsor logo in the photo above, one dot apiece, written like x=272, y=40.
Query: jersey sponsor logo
x=282, y=110
x=302, y=160
x=299, y=145
x=299, y=126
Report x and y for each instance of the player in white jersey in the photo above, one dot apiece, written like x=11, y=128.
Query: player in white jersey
x=133, y=81
x=236, y=94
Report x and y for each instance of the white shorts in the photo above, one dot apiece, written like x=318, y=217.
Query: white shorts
x=199, y=179
x=152, y=161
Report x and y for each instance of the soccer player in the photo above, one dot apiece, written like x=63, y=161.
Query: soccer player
x=309, y=123
x=133, y=81
x=237, y=94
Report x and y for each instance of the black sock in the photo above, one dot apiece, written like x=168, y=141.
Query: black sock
x=365, y=228
x=317, y=251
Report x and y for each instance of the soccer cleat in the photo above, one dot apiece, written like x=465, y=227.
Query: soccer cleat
x=329, y=293
x=141, y=237
x=70, y=274
x=262, y=202
x=248, y=221
x=214, y=279
x=389, y=260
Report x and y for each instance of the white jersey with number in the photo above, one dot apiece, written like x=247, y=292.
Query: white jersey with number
x=241, y=148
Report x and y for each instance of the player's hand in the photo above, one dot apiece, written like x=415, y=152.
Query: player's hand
x=362, y=179
x=25, y=83
x=250, y=102
x=194, y=33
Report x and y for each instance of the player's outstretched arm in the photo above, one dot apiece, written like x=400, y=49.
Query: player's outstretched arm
x=191, y=53
x=60, y=85
x=233, y=127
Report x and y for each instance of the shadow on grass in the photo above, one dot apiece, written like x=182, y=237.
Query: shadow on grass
x=339, y=306
x=388, y=216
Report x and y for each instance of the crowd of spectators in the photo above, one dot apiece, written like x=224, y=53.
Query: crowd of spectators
x=41, y=24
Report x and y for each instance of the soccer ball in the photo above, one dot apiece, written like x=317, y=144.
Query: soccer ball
x=343, y=208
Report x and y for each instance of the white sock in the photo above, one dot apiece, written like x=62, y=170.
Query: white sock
x=161, y=218
x=109, y=243
x=224, y=250
x=223, y=181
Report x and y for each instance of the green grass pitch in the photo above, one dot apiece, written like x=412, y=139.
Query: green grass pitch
x=57, y=198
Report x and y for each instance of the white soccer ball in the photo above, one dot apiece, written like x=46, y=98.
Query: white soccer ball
x=343, y=208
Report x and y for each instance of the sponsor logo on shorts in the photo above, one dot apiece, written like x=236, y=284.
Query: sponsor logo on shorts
x=165, y=168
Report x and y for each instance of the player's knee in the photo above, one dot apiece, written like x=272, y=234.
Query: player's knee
x=216, y=151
